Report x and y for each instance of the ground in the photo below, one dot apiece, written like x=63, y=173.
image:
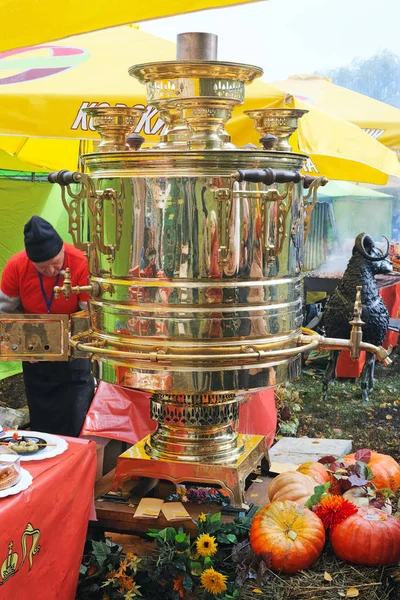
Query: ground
x=12, y=392
x=374, y=425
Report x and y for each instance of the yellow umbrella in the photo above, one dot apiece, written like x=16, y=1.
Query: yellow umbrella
x=42, y=119
x=28, y=22
x=378, y=119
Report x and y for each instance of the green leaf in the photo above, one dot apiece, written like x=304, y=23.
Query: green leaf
x=101, y=552
x=232, y=538
x=215, y=517
x=208, y=562
x=369, y=474
x=222, y=538
x=181, y=537
x=195, y=568
x=187, y=583
x=319, y=491
x=83, y=570
x=213, y=527
x=167, y=535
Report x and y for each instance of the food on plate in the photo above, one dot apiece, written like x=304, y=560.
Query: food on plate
x=9, y=476
x=25, y=444
x=10, y=469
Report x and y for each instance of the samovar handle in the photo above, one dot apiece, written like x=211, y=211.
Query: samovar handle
x=64, y=177
x=267, y=176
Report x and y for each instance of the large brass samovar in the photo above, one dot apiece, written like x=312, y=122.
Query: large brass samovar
x=195, y=250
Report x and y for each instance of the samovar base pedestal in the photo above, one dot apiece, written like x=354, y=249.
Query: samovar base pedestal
x=135, y=464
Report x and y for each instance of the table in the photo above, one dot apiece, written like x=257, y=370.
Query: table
x=43, y=528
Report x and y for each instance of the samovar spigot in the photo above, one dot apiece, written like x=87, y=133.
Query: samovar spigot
x=67, y=288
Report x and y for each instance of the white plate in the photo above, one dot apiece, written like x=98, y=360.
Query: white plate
x=23, y=483
x=60, y=445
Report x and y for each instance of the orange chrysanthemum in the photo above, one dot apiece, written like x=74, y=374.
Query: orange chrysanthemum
x=178, y=586
x=334, y=509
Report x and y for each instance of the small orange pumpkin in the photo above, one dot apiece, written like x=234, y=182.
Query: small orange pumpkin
x=369, y=537
x=385, y=469
x=321, y=475
x=289, y=537
x=291, y=485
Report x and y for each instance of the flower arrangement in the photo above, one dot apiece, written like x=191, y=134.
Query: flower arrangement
x=212, y=564
x=106, y=573
x=200, y=495
x=208, y=566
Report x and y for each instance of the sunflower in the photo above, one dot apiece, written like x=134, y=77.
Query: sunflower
x=202, y=518
x=213, y=581
x=178, y=586
x=206, y=545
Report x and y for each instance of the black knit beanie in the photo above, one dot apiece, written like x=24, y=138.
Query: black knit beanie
x=42, y=241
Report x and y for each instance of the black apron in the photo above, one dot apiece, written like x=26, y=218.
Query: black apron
x=59, y=395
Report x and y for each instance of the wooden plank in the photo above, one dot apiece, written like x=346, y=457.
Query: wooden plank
x=299, y=450
x=118, y=516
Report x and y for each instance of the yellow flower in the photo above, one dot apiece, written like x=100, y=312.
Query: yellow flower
x=123, y=565
x=213, y=581
x=206, y=545
x=181, y=490
x=133, y=561
x=126, y=583
x=202, y=518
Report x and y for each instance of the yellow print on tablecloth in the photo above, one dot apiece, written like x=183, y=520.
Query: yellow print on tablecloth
x=10, y=566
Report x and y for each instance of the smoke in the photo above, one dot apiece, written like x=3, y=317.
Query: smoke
x=338, y=259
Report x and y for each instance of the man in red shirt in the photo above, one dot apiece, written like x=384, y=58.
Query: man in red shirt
x=58, y=393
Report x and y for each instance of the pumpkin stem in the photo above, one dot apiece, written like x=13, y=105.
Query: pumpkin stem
x=292, y=534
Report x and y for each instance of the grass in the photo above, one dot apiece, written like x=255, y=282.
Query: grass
x=374, y=425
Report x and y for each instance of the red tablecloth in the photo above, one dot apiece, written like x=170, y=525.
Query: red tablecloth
x=346, y=367
x=123, y=414
x=43, y=528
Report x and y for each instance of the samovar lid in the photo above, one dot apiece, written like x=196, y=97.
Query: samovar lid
x=188, y=69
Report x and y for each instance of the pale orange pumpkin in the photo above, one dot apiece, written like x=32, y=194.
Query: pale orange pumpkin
x=321, y=475
x=385, y=469
x=291, y=485
x=369, y=537
x=289, y=537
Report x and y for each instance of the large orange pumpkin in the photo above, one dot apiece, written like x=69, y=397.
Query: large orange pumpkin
x=370, y=537
x=321, y=475
x=291, y=485
x=289, y=537
x=385, y=469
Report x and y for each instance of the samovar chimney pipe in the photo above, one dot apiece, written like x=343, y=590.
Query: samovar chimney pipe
x=197, y=46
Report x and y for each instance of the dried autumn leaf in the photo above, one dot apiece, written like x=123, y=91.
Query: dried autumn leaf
x=257, y=591
x=389, y=417
x=352, y=592
x=327, y=577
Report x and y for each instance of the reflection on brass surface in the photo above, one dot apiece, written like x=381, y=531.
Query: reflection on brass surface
x=136, y=462
x=79, y=322
x=114, y=124
x=309, y=206
x=279, y=122
x=205, y=118
x=38, y=337
x=172, y=79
